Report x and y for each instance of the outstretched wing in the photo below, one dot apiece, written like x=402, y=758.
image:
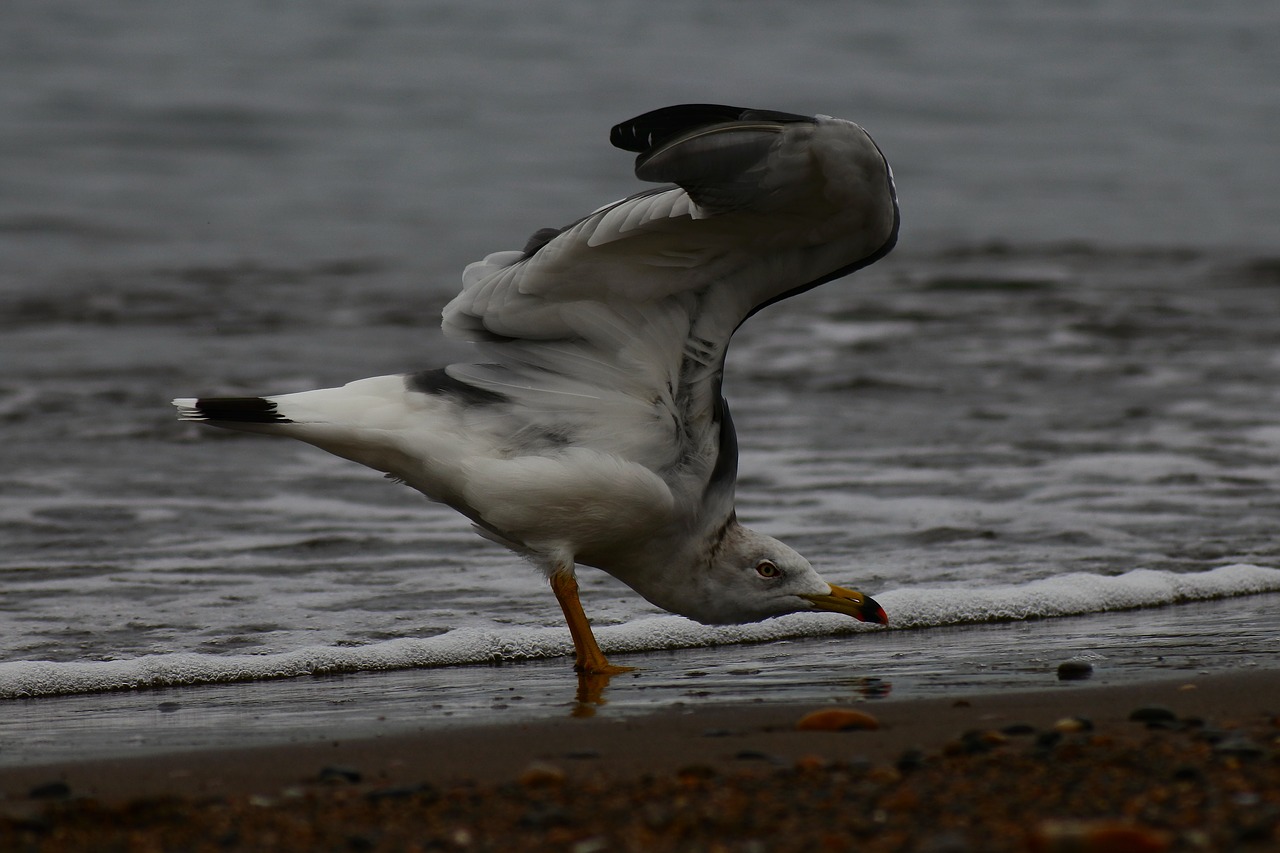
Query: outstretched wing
x=614, y=328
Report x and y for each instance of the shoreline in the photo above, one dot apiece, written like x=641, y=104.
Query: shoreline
x=493, y=751
x=722, y=747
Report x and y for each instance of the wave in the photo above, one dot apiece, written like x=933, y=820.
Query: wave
x=909, y=608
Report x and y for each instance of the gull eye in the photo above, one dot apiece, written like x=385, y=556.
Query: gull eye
x=768, y=569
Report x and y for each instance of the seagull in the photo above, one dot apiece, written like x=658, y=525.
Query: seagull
x=593, y=431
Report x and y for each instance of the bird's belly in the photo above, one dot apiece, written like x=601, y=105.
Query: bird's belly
x=579, y=504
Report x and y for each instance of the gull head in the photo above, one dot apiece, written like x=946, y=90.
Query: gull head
x=749, y=576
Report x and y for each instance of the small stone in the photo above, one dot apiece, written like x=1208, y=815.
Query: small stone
x=911, y=760
x=334, y=774
x=50, y=791
x=975, y=742
x=1240, y=746
x=1212, y=735
x=1075, y=670
x=1246, y=799
x=1098, y=836
x=884, y=774
x=544, y=816
x=168, y=707
x=541, y=773
x=1071, y=725
x=1166, y=725
x=595, y=844
x=837, y=720
x=1152, y=714
x=1046, y=741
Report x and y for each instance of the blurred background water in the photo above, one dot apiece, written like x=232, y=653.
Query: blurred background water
x=1068, y=365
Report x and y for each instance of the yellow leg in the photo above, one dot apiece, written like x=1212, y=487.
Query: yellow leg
x=590, y=659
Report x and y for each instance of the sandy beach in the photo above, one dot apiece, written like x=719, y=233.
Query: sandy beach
x=1185, y=764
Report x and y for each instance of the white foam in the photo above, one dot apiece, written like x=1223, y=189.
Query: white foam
x=1063, y=595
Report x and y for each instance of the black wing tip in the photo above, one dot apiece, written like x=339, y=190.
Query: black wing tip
x=651, y=129
x=245, y=410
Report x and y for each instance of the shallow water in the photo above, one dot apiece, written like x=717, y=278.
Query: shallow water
x=1167, y=642
x=1068, y=366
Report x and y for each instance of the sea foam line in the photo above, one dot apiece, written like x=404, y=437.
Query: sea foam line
x=1063, y=595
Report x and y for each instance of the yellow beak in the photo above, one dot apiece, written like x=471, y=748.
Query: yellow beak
x=851, y=603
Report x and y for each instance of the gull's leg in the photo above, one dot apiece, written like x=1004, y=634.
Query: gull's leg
x=590, y=659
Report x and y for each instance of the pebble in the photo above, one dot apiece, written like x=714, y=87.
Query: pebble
x=837, y=720
x=540, y=774
x=1152, y=714
x=975, y=742
x=811, y=763
x=1046, y=741
x=1212, y=735
x=595, y=844
x=335, y=773
x=1098, y=836
x=1240, y=746
x=545, y=815
x=1074, y=670
x=58, y=790
x=883, y=774
x=912, y=759
x=1071, y=725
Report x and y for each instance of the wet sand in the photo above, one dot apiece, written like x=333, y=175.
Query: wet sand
x=1059, y=769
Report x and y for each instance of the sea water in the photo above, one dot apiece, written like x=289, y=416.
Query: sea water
x=1046, y=426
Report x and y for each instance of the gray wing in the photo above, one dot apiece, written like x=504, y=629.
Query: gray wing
x=613, y=330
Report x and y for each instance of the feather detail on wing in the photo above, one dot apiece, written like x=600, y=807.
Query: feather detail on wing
x=624, y=316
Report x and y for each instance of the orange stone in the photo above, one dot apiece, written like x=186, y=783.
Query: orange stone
x=1098, y=836
x=541, y=773
x=836, y=720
